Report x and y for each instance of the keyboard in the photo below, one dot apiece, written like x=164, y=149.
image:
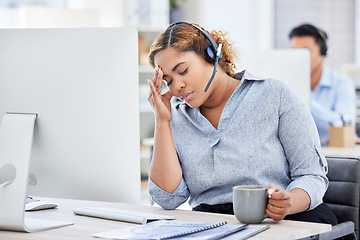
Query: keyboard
x=120, y=214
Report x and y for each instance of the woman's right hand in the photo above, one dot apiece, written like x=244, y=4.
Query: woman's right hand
x=160, y=103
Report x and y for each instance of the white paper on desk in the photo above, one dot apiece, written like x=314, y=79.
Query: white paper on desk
x=159, y=230
x=162, y=228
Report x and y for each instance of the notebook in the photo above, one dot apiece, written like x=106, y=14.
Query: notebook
x=181, y=230
x=120, y=214
x=161, y=229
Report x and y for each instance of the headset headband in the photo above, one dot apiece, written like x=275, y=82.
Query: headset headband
x=208, y=37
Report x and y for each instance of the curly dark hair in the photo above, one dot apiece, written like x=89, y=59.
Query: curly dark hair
x=184, y=37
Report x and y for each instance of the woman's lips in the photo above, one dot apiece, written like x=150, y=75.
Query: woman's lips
x=186, y=96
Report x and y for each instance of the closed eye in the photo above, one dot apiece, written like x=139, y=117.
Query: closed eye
x=169, y=83
x=184, y=72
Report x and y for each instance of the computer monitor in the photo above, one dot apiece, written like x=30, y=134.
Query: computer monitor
x=291, y=66
x=83, y=85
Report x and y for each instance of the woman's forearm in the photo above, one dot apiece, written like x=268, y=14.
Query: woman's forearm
x=165, y=170
x=300, y=201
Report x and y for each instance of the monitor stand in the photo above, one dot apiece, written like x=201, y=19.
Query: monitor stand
x=16, y=136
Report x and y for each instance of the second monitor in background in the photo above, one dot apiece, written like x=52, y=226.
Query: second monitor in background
x=291, y=66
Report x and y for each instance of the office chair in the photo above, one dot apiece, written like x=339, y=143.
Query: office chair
x=342, y=197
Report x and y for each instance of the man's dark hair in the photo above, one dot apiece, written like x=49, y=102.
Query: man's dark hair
x=309, y=30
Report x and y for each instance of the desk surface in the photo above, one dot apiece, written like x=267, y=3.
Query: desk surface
x=84, y=227
x=342, y=152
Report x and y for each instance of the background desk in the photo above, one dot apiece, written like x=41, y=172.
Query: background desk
x=84, y=227
x=342, y=152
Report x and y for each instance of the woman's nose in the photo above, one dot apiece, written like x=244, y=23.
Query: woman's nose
x=179, y=85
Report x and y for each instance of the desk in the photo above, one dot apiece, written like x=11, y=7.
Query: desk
x=342, y=152
x=85, y=226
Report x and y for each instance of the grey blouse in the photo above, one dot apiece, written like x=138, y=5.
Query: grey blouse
x=265, y=135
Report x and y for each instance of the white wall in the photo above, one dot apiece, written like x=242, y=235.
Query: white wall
x=111, y=12
x=144, y=14
x=335, y=17
x=250, y=23
x=42, y=17
x=265, y=24
x=9, y=18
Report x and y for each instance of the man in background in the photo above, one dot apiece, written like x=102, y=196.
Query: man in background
x=332, y=94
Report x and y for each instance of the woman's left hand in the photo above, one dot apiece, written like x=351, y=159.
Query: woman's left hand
x=279, y=203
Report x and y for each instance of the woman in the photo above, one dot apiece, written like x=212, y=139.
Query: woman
x=242, y=130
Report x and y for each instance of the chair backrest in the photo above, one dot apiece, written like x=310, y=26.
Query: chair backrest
x=343, y=194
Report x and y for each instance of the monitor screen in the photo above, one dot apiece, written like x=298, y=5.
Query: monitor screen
x=83, y=84
x=291, y=66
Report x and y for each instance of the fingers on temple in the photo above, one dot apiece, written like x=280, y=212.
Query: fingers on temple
x=158, y=83
x=152, y=89
x=154, y=96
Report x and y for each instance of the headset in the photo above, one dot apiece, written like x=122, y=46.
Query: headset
x=323, y=37
x=213, y=52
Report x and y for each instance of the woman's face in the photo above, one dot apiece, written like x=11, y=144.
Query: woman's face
x=186, y=75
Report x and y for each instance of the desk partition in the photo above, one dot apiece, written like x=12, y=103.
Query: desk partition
x=342, y=152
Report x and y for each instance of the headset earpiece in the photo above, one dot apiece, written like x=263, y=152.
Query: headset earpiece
x=210, y=55
x=323, y=47
x=323, y=50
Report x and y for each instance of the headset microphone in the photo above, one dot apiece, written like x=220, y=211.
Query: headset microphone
x=218, y=56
